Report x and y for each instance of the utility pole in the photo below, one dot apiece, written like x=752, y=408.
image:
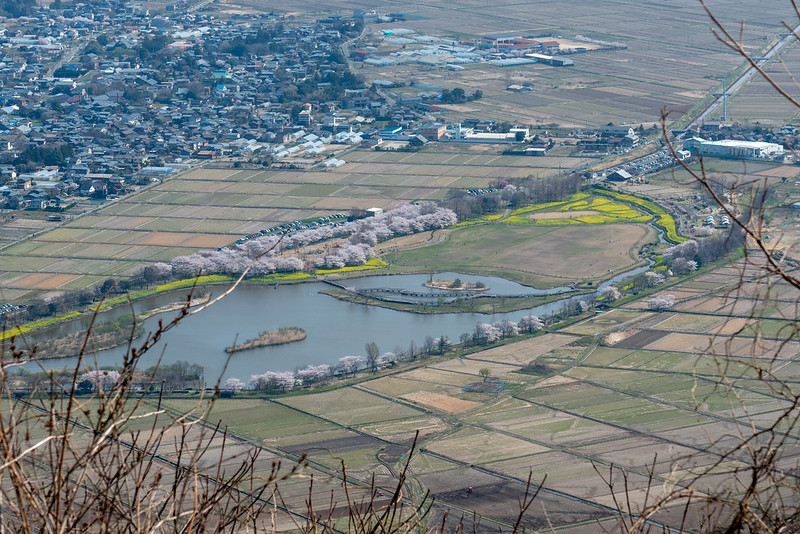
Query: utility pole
x=724, y=95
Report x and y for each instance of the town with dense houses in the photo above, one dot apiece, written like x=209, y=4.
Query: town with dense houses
x=98, y=101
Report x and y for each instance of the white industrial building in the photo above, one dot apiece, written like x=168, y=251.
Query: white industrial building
x=733, y=149
x=459, y=134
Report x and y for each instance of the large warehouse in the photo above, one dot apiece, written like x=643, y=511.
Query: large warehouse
x=732, y=149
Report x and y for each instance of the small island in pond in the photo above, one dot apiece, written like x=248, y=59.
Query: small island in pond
x=455, y=285
x=266, y=339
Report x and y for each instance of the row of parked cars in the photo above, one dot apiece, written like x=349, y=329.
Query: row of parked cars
x=335, y=219
x=9, y=309
x=648, y=164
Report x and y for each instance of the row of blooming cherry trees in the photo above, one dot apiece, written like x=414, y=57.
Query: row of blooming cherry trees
x=267, y=254
x=485, y=333
x=280, y=381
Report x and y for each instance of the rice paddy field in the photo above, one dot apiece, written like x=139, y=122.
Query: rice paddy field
x=208, y=208
x=667, y=391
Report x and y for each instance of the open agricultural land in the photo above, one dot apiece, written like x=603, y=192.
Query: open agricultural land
x=627, y=387
x=22, y=225
x=208, y=208
x=672, y=60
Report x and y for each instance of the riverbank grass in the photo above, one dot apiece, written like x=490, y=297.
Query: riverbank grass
x=372, y=263
x=478, y=304
x=28, y=327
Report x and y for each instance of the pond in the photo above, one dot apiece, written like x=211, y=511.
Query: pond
x=334, y=328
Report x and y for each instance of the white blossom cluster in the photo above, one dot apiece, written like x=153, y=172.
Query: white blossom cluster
x=233, y=384
x=286, y=380
x=347, y=254
x=661, y=302
x=233, y=261
x=366, y=233
x=610, y=294
x=680, y=258
x=703, y=231
x=275, y=381
x=485, y=333
x=530, y=324
x=100, y=379
x=654, y=279
x=350, y=364
x=386, y=358
x=314, y=373
x=272, y=381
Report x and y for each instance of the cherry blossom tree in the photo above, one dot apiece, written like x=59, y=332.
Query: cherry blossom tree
x=261, y=246
x=314, y=373
x=348, y=254
x=683, y=266
x=387, y=359
x=609, y=294
x=703, y=231
x=350, y=364
x=687, y=249
x=273, y=381
x=157, y=271
x=233, y=384
x=276, y=264
x=530, y=324
x=265, y=252
x=677, y=257
x=661, y=302
x=485, y=333
x=100, y=379
x=506, y=328
x=654, y=279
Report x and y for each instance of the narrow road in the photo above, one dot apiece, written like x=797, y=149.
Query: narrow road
x=69, y=54
x=199, y=5
x=346, y=53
